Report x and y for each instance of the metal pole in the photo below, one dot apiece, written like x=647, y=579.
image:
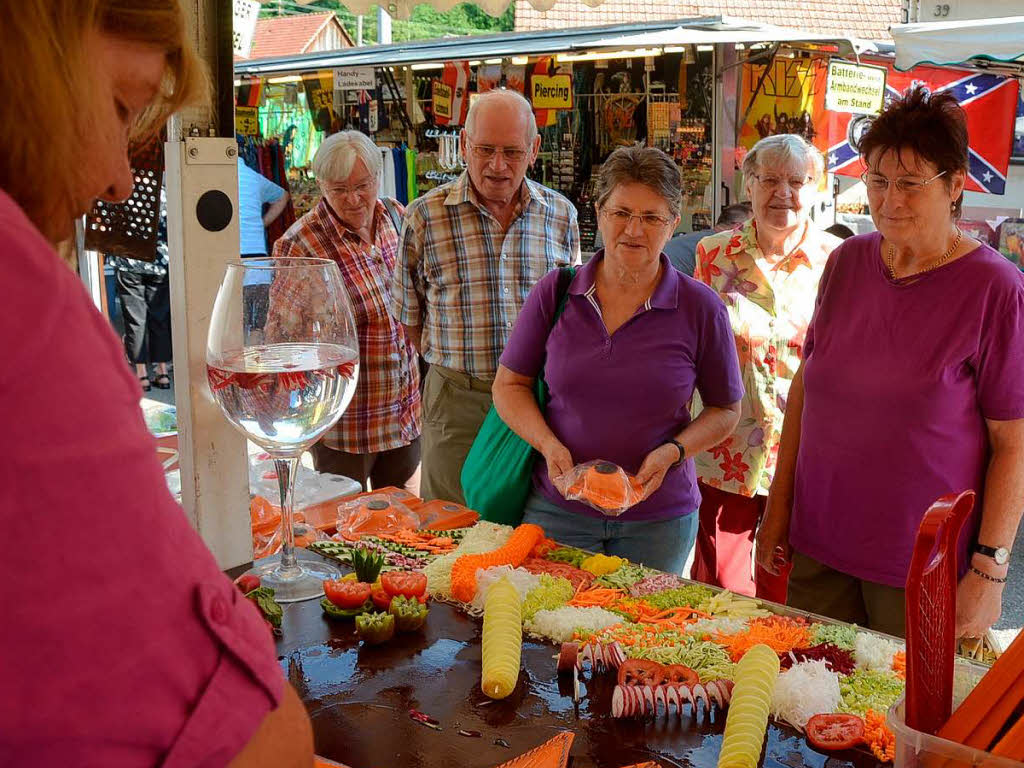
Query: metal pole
x=359, y=30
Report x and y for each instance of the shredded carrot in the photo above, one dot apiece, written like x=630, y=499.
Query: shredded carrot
x=781, y=634
x=513, y=552
x=543, y=547
x=424, y=542
x=878, y=736
x=899, y=664
x=596, y=596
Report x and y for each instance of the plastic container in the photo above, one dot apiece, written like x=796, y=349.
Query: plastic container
x=916, y=749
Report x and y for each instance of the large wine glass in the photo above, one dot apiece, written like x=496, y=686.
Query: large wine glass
x=282, y=362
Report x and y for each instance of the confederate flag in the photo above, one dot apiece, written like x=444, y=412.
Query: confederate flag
x=990, y=102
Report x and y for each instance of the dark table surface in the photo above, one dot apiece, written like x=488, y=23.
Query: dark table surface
x=359, y=697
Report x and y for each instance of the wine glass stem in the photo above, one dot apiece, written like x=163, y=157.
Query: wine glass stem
x=286, y=481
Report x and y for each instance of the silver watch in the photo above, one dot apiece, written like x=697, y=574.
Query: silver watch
x=1000, y=554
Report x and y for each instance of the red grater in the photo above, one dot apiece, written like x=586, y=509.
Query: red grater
x=931, y=613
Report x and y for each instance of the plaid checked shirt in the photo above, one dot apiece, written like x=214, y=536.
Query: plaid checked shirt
x=385, y=410
x=465, y=281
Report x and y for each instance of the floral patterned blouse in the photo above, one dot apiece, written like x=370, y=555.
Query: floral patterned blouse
x=770, y=303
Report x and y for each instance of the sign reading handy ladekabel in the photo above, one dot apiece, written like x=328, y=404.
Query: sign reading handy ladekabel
x=856, y=88
x=354, y=79
x=551, y=92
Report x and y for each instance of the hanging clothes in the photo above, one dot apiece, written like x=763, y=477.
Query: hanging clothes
x=401, y=177
x=387, y=176
x=412, y=185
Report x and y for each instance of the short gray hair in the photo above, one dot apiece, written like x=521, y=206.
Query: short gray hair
x=643, y=165
x=337, y=156
x=510, y=97
x=783, y=148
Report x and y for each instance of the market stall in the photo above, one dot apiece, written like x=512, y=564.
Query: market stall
x=621, y=664
x=671, y=85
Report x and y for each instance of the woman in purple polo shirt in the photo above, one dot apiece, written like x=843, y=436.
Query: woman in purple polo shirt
x=622, y=362
x=912, y=387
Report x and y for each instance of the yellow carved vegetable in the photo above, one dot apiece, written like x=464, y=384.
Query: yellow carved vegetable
x=747, y=722
x=502, y=641
x=601, y=564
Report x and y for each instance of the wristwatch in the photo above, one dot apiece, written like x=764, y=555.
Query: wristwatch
x=682, y=453
x=1000, y=554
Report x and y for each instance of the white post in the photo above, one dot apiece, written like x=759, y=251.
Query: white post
x=383, y=26
x=359, y=30
x=202, y=224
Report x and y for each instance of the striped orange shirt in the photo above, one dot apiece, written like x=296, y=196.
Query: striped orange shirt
x=385, y=411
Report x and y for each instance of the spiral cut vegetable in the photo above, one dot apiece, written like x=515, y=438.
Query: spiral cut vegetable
x=747, y=722
x=514, y=551
x=502, y=642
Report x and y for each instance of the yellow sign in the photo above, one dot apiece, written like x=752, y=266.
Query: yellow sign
x=442, y=100
x=247, y=121
x=554, y=92
x=782, y=96
x=856, y=88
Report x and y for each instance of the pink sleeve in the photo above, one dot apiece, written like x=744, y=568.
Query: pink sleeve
x=128, y=646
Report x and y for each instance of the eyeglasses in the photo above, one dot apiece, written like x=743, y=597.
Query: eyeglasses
x=770, y=183
x=622, y=217
x=877, y=183
x=487, y=152
x=361, y=189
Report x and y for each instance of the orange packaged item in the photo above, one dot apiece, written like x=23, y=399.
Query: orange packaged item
x=373, y=515
x=440, y=515
x=602, y=485
x=400, y=495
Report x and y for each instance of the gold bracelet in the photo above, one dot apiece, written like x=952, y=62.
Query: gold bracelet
x=986, y=576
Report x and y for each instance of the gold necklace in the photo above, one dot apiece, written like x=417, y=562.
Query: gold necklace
x=891, y=255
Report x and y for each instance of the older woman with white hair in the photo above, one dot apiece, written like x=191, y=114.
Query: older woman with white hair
x=377, y=440
x=767, y=272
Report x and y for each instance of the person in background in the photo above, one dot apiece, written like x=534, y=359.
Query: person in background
x=470, y=252
x=377, y=440
x=635, y=340
x=682, y=249
x=254, y=192
x=840, y=230
x=910, y=389
x=767, y=273
x=155, y=658
x=144, y=291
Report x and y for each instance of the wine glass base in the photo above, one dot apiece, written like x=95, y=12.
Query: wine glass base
x=304, y=582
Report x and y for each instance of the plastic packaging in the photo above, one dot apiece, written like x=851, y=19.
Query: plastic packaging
x=439, y=515
x=266, y=540
x=371, y=514
x=602, y=485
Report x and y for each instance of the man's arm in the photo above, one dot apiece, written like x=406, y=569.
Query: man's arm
x=276, y=209
x=283, y=740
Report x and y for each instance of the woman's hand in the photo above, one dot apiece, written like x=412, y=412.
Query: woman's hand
x=979, y=602
x=656, y=464
x=558, y=459
x=772, y=549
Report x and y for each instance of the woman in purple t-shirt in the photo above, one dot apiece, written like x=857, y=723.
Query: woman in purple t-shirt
x=634, y=341
x=912, y=387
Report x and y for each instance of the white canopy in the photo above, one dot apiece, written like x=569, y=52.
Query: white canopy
x=402, y=8
x=956, y=42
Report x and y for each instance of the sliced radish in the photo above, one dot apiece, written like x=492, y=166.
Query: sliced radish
x=726, y=686
x=716, y=693
x=568, y=657
x=617, y=702
x=659, y=699
x=672, y=698
x=686, y=697
x=648, y=692
x=700, y=694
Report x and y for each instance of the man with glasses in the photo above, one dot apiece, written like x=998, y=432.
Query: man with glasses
x=470, y=252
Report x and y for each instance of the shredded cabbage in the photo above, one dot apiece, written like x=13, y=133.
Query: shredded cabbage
x=724, y=625
x=874, y=652
x=521, y=579
x=869, y=689
x=552, y=592
x=623, y=577
x=840, y=635
x=709, y=660
x=560, y=624
x=691, y=595
x=807, y=689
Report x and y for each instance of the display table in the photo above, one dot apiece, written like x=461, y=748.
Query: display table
x=359, y=700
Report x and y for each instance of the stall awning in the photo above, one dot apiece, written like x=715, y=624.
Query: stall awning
x=956, y=42
x=700, y=31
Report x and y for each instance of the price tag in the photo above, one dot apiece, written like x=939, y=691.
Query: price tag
x=442, y=95
x=247, y=121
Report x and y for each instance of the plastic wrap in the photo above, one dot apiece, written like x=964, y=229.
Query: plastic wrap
x=373, y=514
x=601, y=485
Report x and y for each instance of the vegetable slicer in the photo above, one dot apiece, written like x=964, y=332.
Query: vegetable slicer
x=931, y=612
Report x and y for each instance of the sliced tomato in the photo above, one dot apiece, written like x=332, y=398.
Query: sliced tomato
x=835, y=731
x=347, y=594
x=641, y=672
x=406, y=583
x=247, y=583
x=680, y=674
x=381, y=599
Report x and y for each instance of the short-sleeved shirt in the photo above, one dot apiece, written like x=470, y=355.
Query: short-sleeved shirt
x=617, y=398
x=899, y=379
x=682, y=250
x=254, y=190
x=464, y=280
x=385, y=411
x=770, y=304
x=123, y=643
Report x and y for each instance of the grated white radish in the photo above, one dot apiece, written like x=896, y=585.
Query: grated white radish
x=807, y=689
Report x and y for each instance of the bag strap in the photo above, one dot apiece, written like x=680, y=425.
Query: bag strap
x=565, y=278
x=396, y=219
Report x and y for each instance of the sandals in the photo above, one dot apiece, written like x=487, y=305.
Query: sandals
x=163, y=381
x=144, y=382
